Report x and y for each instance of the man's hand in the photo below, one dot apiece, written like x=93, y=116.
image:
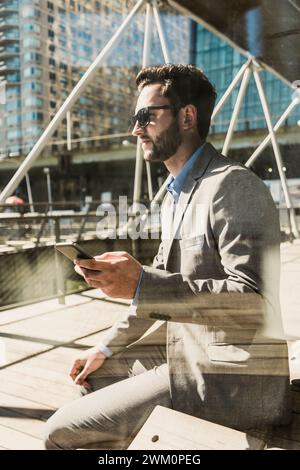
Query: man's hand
x=116, y=273
x=90, y=361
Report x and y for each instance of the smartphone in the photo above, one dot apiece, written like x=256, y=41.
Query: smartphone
x=72, y=251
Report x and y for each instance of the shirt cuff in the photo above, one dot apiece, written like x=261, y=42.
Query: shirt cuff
x=135, y=299
x=104, y=349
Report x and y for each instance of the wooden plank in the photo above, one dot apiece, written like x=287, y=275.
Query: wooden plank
x=39, y=308
x=68, y=324
x=57, y=360
x=24, y=407
x=26, y=377
x=50, y=398
x=98, y=294
x=30, y=426
x=15, y=440
x=169, y=429
x=15, y=350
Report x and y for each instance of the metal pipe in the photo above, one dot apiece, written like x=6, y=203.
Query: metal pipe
x=28, y=185
x=278, y=124
x=165, y=51
x=230, y=89
x=49, y=191
x=149, y=181
x=161, y=192
x=276, y=149
x=139, y=157
x=76, y=92
x=69, y=146
x=146, y=55
x=236, y=109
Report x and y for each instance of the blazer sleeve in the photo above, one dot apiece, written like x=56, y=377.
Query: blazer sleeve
x=130, y=328
x=244, y=225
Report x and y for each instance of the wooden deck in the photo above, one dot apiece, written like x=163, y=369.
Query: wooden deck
x=41, y=340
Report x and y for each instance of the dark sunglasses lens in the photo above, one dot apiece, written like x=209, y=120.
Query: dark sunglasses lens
x=142, y=117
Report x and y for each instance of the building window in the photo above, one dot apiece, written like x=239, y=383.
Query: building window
x=51, y=33
x=13, y=77
x=33, y=131
x=33, y=102
x=14, y=63
x=52, y=76
x=13, y=105
x=63, y=66
x=52, y=62
x=33, y=86
x=13, y=91
x=31, y=28
x=13, y=120
x=32, y=57
x=30, y=12
x=64, y=81
x=32, y=72
x=32, y=42
x=35, y=116
x=14, y=134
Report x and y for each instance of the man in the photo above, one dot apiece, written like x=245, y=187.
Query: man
x=213, y=288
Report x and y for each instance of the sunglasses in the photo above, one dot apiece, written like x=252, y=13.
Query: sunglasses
x=142, y=117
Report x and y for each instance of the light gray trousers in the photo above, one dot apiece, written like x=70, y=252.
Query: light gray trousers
x=125, y=391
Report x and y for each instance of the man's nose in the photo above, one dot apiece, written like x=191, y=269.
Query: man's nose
x=137, y=129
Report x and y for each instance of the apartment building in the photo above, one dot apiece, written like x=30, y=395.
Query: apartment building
x=45, y=48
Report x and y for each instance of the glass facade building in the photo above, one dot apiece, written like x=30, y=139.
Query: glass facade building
x=221, y=62
x=46, y=47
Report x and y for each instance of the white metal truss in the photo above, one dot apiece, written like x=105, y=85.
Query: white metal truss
x=67, y=105
x=252, y=66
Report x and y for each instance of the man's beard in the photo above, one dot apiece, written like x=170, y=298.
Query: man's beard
x=165, y=145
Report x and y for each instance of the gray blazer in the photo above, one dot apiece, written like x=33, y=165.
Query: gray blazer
x=215, y=281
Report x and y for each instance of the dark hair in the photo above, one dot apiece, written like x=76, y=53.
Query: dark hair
x=183, y=85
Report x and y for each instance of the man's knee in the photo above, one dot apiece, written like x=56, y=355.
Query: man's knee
x=57, y=436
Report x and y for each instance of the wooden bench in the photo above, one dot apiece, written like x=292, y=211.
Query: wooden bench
x=168, y=429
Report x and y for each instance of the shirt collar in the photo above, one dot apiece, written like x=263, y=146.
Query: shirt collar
x=176, y=184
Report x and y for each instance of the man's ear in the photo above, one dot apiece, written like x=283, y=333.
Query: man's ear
x=189, y=117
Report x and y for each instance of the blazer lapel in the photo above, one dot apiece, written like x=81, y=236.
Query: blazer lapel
x=188, y=189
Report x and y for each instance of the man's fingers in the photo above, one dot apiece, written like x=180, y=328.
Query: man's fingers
x=111, y=255
x=78, y=270
x=89, y=274
x=93, y=264
x=103, y=262
x=80, y=379
x=76, y=368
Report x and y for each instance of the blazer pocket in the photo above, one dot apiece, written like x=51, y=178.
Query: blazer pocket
x=190, y=242
x=227, y=353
